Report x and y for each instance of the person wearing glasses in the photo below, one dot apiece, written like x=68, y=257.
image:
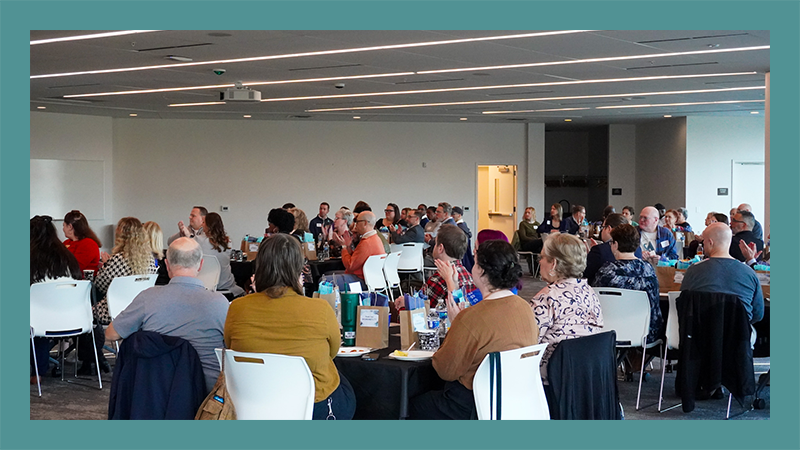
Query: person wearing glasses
x=602, y=253
x=656, y=241
x=742, y=227
x=369, y=244
x=392, y=213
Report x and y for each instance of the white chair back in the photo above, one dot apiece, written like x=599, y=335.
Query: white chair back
x=390, y=270
x=411, y=257
x=373, y=273
x=628, y=313
x=673, y=332
x=61, y=308
x=264, y=386
x=209, y=272
x=522, y=395
x=123, y=290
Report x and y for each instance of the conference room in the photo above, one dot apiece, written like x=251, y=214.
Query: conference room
x=149, y=123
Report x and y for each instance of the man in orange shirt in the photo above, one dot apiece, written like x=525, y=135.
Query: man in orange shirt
x=370, y=244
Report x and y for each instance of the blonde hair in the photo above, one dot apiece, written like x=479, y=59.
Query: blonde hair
x=533, y=213
x=156, y=236
x=131, y=241
x=570, y=253
x=300, y=219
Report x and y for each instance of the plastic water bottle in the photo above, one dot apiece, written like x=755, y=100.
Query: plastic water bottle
x=441, y=311
x=326, y=251
x=433, y=319
x=700, y=251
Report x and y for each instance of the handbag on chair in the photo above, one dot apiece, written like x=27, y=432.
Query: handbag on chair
x=217, y=404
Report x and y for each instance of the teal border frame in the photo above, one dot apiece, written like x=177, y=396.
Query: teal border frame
x=17, y=18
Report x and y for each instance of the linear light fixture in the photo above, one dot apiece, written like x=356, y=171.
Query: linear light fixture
x=90, y=36
x=660, y=105
x=253, y=83
x=594, y=60
x=536, y=99
x=534, y=110
x=316, y=53
x=195, y=104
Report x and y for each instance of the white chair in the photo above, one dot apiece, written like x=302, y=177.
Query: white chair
x=411, y=261
x=521, y=396
x=264, y=386
x=59, y=309
x=390, y=271
x=373, y=274
x=628, y=313
x=209, y=272
x=123, y=290
x=673, y=336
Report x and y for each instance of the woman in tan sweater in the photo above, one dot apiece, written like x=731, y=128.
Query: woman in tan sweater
x=501, y=321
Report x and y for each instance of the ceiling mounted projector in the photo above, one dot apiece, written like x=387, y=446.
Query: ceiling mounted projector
x=240, y=93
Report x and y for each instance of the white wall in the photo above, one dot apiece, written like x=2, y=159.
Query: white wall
x=661, y=163
x=163, y=167
x=711, y=144
x=535, y=171
x=76, y=137
x=622, y=166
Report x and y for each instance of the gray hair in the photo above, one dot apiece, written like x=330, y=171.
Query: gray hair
x=368, y=216
x=749, y=219
x=447, y=207
x=683, y=211
x=347, y=215
x=570, y=253
x=184, y=252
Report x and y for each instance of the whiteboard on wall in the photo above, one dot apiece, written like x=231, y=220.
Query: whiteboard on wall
x=58, y=186
x=747, y=186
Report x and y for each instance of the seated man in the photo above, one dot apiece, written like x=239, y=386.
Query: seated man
x=197, y=218
x=601, y=253
x=656, y=241
x=183, y=308
x=574, y=222
x=722, y=273
x=627, y=212
x=369, y=244
x=449, y=246
x=413, y=232
x=742, y=227
x=758, y=232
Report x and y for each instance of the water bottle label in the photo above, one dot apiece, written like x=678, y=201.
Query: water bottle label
x=349, y=334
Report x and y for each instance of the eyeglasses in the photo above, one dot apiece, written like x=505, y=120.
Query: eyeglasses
x=362, y=220
x=737, y=221
x=388, y=210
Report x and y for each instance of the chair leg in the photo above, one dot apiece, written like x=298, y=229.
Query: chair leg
x=36, y=367
x=76, y=356
x=728, y=414
x=96, y=362
x=641, y=376
x=663, y=371
x=61, y=357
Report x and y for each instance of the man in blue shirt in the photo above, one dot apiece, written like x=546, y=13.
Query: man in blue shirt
x=322, y=222
x=656, y=241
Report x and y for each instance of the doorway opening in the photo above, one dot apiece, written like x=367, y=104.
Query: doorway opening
x=497, y=198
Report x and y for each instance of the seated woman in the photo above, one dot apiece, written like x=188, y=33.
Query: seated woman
x=340, y=231
x=392, y=217
x=156, y=238
x=529, y=240
x=601, y=253
x=501, y=321
x=81, y=240
x=131, y=256
x=218, y=245
x=300, y=224
x=567, y=307
x=278, y=319
x=50, y=260
x=681, y=224
x=554, y=223
x=670, y=219
x=630, y=272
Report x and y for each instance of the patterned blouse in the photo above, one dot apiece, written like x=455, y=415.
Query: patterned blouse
x=566, y=309
x=636, y=275
x=116, y=266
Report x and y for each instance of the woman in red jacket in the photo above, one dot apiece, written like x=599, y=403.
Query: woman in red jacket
x=81, y=240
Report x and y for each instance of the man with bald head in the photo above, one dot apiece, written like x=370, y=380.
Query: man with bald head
x=758, y=232
x=742, y=227
x=721, y=273
x=655, y=241
x=183, y=308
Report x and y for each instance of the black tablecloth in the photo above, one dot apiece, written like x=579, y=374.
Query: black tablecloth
x=384, y=387
x=242, y=271
x=320, y=268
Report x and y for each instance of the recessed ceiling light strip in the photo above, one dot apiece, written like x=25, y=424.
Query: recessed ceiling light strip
x=196, y=104
x=316, y=53
x=90, y=36
x=534, y=110
x=594, y=60
x=660, y=105
x=540, y=99
x=253, y=83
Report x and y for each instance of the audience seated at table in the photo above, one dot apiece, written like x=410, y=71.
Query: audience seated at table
x=322, y=223
x=573, y=223
x=156, y=238
x=81, y=240
x=742, y=227
x=670, y=218
x=757, y=230
x=627, y=271
x=554, y=222
x=680, y=222
x=529, y=240
x=279, y=319
x=501, y=321
x=656, y=241
x=50, y=260
x=341, y=228
x=195, y=229
x=601, y=253
x=429, y=216
x=369, y=244
x=280, y=220
x=629, y=213
x=413, y=231
x=711, y=217
x=183, y=308
x=391, y=219
x=218, y=246
x=300, y=223
x=567, y=307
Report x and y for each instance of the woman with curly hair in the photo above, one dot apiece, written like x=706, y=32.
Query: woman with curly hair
x=131, y=255
x=81, y=240
x=218, y=245
x=501, y=321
